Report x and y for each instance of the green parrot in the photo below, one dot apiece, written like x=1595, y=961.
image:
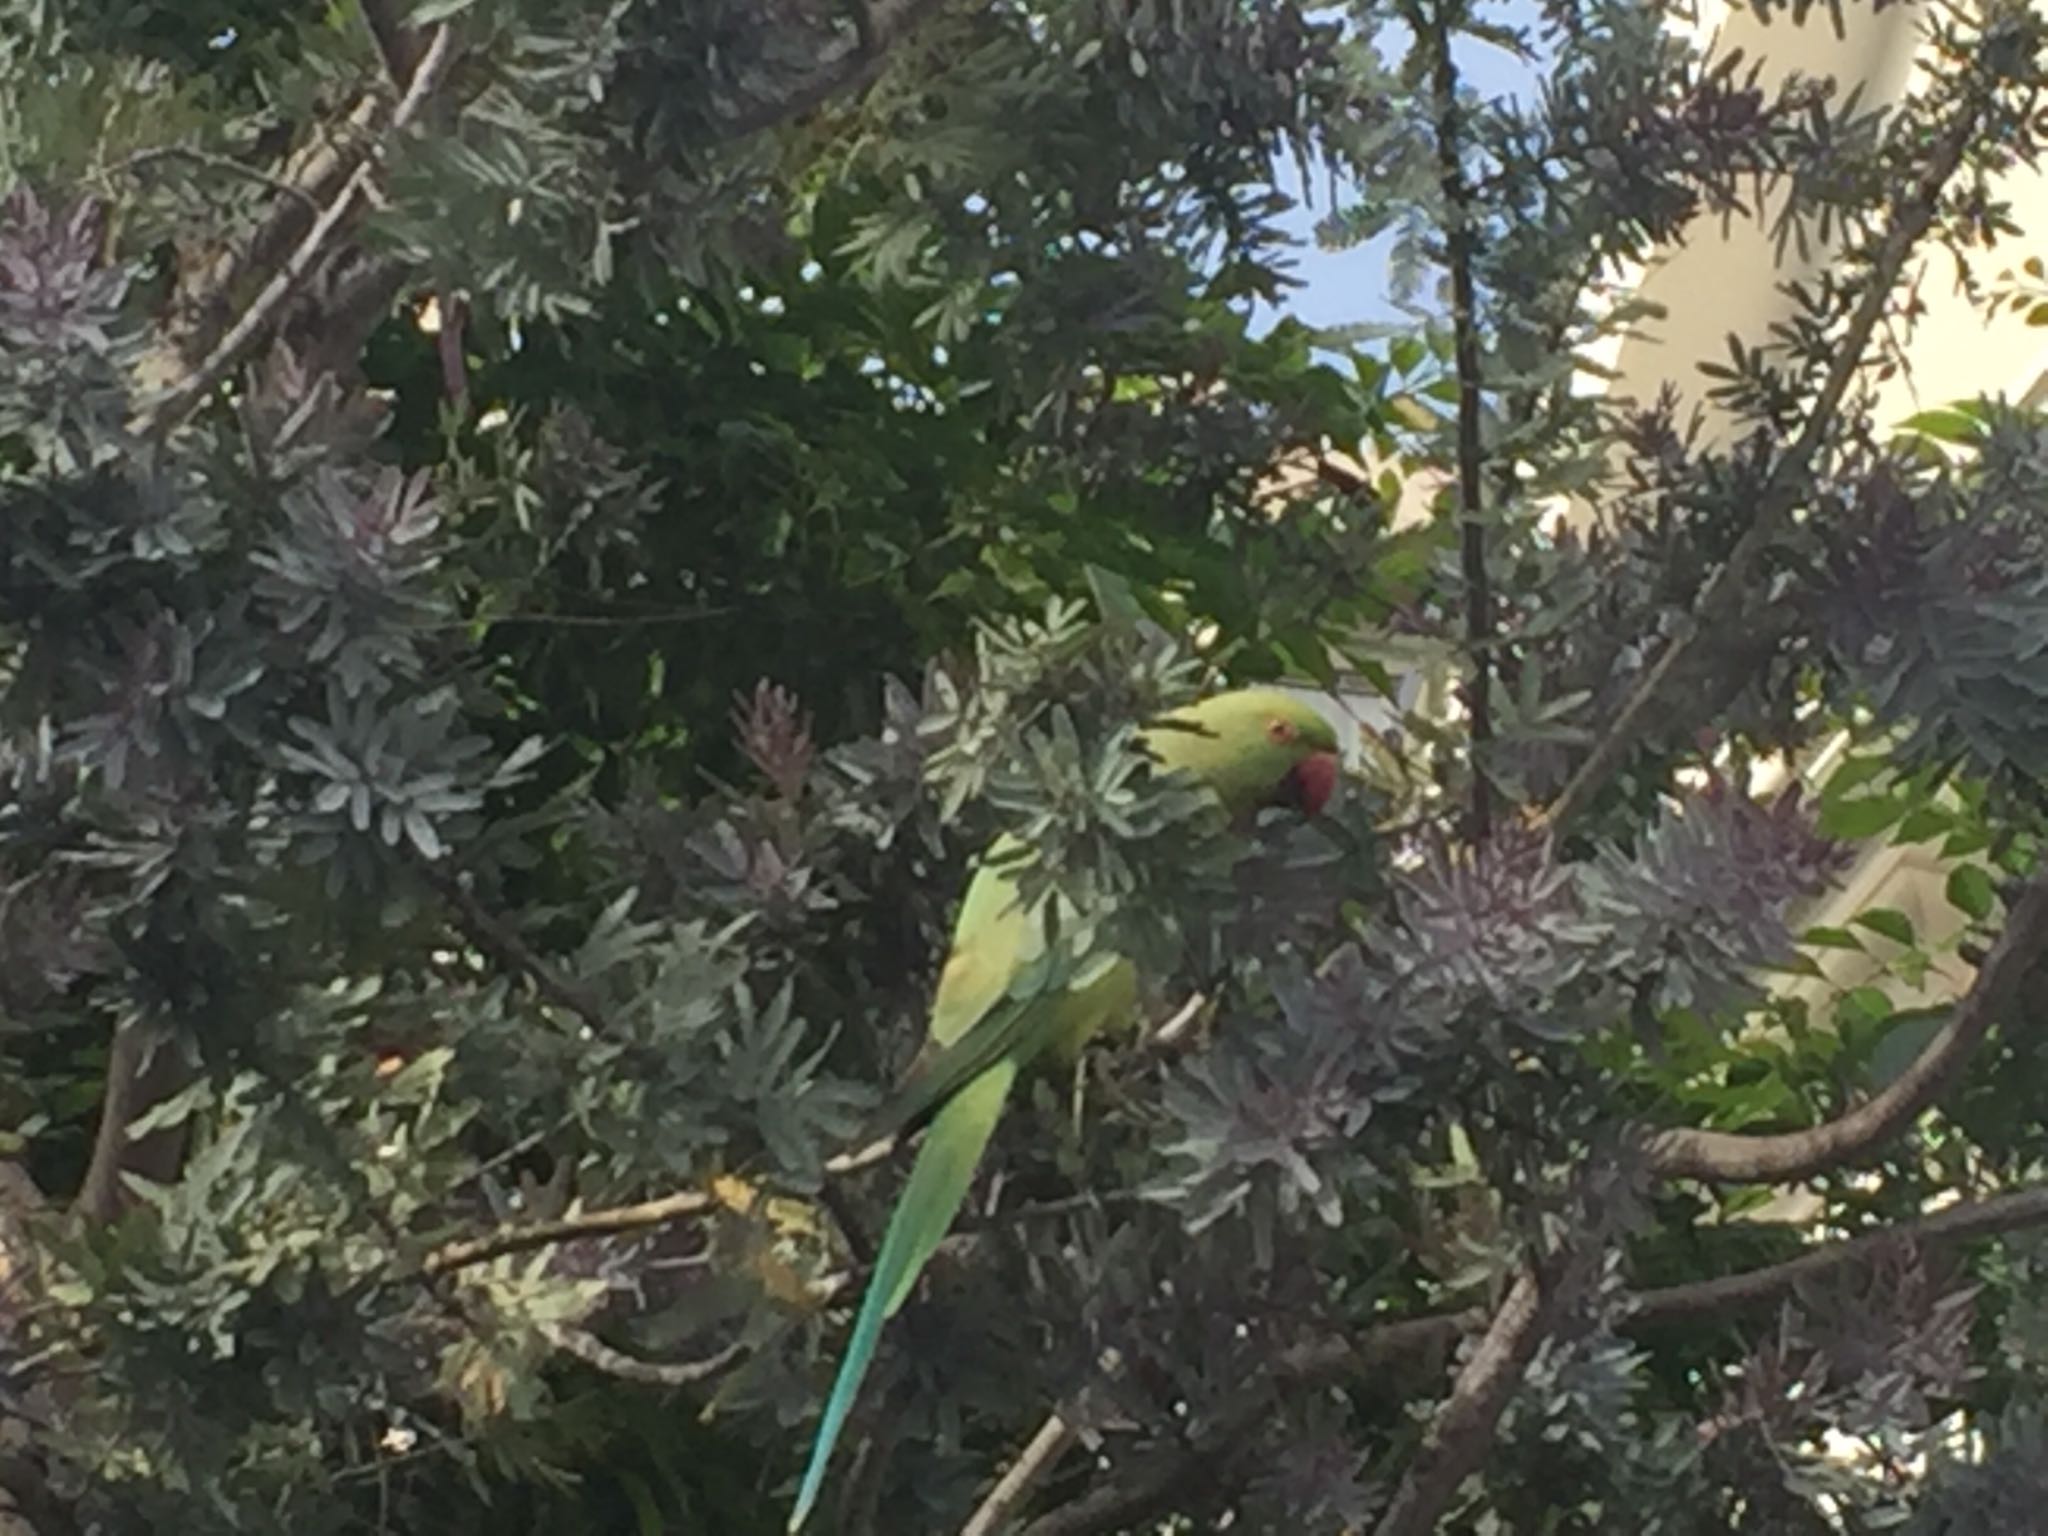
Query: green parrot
x=1253, y=748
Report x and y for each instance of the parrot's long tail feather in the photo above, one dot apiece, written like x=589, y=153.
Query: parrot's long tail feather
x=938, y=1183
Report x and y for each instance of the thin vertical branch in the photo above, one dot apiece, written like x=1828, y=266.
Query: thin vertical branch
x=144, y=1067
x=1458, y=256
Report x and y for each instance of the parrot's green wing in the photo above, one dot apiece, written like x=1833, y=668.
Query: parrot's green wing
x=997, y=1006
x=1008, y=1029
x=939, y=1073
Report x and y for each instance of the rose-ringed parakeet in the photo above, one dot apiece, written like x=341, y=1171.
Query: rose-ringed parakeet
x=1252, y=748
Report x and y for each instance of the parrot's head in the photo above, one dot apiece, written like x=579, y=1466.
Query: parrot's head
x=1255, y=747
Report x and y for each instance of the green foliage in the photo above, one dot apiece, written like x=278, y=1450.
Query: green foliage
x=482, y=799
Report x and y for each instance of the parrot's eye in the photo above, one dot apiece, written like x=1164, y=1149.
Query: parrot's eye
x=1280, y=730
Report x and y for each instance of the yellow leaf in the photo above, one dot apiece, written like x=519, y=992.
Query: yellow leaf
x=787, y=1215
x=1413, y=413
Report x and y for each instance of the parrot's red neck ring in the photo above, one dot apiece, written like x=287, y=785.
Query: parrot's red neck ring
x=1310, y=783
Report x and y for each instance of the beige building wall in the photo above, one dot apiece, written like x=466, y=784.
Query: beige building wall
x=1728, y=277
x=1729, y=280
x=1722, y=280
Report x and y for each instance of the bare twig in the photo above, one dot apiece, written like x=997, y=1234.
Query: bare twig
x=1039, y=1456
x=1169, y=1035
x=313, y=172
x=879, y=1150
x=448, y=344
x=1156, y=1485
x=593, y=1351
x=608, y=1222
x=1967, y=1220
x=1731, y=1157
x=503, y=943
x=1962, y=1222
x=309, y=179
x=336, y=173
x=1720, y=603
x=398, y=44
x=178, y=401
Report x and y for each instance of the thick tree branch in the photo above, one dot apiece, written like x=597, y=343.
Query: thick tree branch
x=1458, y=1437
x=1465, y=1426
x=330, y=337
x=1991, y=1217
x=308, y=180
x=1721, y=602
x=1729, y=1157
x=335, y=173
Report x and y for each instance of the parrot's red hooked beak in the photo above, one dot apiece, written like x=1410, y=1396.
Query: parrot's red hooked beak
x=1310, y=783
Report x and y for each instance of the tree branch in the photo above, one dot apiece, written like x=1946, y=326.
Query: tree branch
x=284, y=185
x=312, y=174
x=1465, y=1426
x=1458, y=254
x=594, y=1352
x=503, y=943
x=336, y=177
x=608, y=1222
x=397, y=44
x=143, y=1068
x=1172, y=1034
x=183, y=396
x=1458, y=1437
x=1720, y=602
x=1730, y=1157
x=1153, y=1488
x=1038, y=1457
x=309, y=180
x=1999, y=1214
x=1158, y=1483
